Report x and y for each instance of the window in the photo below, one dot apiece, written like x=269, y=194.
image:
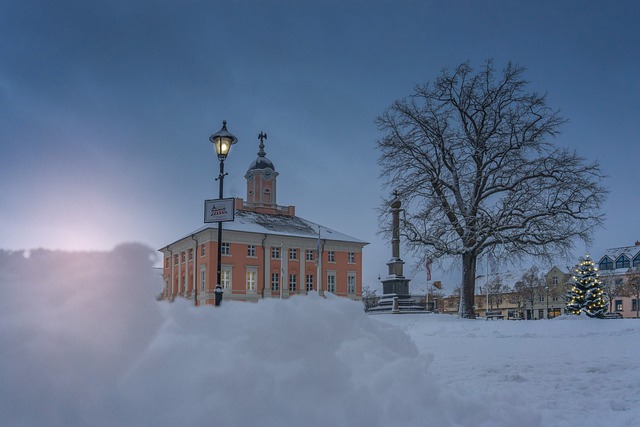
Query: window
x=275, y=281
x=331, y=256
x=351, y=258
x=618, y=305
x=636, y=261
x=622, y=262
x=251, y=251
x=251, y=279
x=606, y=264
x=190, y=254
x=225, y=278
x=202, y=250
x=293, y=253
x=175, y=259
x=182, y=256
x=310, y=282
x=351, y=283
x=225, y=249
x=540, y=313
x=555, y=280
x=275, y=252
x=331, y=282
x=541, y=298
x=634, y=305
x=203, y=274
x=309, y=254
x=293, y=279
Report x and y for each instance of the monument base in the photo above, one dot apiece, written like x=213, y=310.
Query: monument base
x=396, y=298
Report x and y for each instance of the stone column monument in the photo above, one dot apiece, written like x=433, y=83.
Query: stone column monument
x=395, y=287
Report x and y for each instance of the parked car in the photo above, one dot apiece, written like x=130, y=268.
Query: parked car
x=613, y=316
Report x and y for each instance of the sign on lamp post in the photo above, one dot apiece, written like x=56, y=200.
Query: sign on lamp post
x=218, y=210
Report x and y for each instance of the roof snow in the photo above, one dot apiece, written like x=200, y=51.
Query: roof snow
x=281, y=225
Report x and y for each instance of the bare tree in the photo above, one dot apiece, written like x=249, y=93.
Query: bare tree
x=470, y=157
x=631, y=287
x=496, y=289
x=613, y=285
x=530, y=288
x=369, y=298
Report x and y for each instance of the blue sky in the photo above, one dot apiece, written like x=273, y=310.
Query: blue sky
x=106, y=106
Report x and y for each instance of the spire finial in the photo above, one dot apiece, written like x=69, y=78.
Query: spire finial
x=262, y=136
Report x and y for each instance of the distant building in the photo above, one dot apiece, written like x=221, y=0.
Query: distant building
x=267, y=251
x=548, y=300
x=619, y=269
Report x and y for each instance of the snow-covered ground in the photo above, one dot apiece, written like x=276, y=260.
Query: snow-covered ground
x=84, y=343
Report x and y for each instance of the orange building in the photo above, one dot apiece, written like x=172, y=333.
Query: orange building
x=267, y=251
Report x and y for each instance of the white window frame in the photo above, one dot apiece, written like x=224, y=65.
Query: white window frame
x=275, y=281
x=225, y=248
x=309, y=282
x=331, y=282
x=293, y=254
x=293, y=282
x=251, y=251
x=331, y=256
x=275, y=252
x=309, y=255
x=251, y=278
x=351, y=257
x=351, y=283
x=225, y=277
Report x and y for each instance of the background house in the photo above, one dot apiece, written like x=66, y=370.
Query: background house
x=501, y=298
x=619, y=270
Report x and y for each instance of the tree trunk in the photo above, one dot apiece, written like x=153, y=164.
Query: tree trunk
x=468, y=285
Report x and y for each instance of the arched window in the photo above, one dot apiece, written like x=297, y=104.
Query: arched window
x=622, y=262
x=605, y=264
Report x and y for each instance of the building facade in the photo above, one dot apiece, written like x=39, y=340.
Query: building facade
x=619, y=270
x=543, y=302
x=267, y=251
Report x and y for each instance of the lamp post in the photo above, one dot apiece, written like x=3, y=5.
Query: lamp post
x=222, y=140
x=547, y=299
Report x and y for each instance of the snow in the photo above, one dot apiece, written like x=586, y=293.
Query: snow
x=84, y=342
x=279, y=225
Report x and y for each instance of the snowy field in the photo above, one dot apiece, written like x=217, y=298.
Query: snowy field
x=84, y=343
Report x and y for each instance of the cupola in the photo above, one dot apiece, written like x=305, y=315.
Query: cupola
x=261, y=178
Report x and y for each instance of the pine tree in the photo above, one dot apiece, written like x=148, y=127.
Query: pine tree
x=586, y=294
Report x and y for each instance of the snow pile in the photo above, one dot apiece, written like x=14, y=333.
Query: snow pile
x=571, y=370
x=83, y=342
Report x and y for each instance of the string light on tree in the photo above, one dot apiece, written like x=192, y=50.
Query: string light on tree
x=586, y=294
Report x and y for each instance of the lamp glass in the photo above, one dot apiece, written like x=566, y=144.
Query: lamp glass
x=223, y=145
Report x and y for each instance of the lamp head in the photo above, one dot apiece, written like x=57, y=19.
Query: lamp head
x=223, y=140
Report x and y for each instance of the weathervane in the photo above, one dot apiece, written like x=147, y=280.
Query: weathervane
x=262, y=136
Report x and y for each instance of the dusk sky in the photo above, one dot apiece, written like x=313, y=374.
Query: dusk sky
x=106, y=107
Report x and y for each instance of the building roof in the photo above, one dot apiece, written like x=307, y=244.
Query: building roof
x=261, y=163
x=279, y=225
x=614, y=253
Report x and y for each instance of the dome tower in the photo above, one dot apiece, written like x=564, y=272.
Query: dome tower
x=261, y=179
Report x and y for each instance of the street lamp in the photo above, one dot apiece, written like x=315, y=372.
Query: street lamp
x=222, y=140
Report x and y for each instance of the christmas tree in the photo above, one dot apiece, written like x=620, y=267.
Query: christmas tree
x=586, y=294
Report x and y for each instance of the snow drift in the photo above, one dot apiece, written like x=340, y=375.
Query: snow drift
x=84, y=342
